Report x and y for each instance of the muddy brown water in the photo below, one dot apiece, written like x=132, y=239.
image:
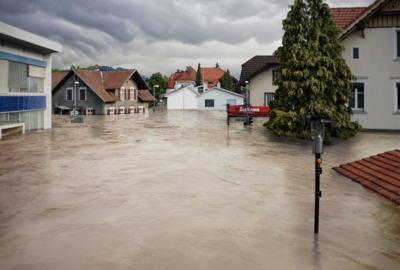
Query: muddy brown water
x=181, y=190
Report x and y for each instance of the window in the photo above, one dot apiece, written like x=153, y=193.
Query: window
x=267, y=98
x=20, y=82
x=69, y=94
x=89, y=111
x=357, y=101
x=18, y=77
x=398, y=97
x=355, y=53
x=111, y=111
x=396, y=43
x=275, y=75
x=131, y=92
x=209, y=103
x=121, y=110
x=122, y=94
x=82, y=94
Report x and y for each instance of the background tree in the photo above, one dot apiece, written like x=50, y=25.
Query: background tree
x=199, y=78
x=314, y=78
x=216, y=65
x=226, y=82
x=161, y=81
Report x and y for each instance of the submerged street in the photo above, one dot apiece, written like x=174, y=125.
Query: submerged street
x=182, y=190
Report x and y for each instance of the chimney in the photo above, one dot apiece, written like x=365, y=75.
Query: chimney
x=96, y=67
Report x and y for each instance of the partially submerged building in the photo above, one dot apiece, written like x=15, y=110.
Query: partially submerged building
x=25, y=80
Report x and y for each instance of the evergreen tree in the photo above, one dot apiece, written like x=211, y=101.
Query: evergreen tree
x=199, y=78
x=314, y=78
x=226, y=82
x=216, y=65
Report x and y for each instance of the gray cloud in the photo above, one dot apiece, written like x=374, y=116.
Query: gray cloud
x=155, y=35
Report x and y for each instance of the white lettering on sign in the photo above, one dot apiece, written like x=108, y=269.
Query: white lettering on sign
x=250, y=109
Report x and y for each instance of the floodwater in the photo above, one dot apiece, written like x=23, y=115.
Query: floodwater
x=182, y=190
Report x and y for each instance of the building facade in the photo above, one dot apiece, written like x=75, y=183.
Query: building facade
x=25, y=78
x=91, y=92
x=371, y=36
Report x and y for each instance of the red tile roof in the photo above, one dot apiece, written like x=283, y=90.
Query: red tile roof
x=145, y=95
x=209, y=75
x=343, y=17
x=212, y=75
x=185, y=77
x=94, y=80
x=380, y=173
x=56, y=78
x=116, y=79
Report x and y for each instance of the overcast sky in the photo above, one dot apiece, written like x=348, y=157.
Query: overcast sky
x=156, y=35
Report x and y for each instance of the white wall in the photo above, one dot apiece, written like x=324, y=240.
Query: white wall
x=220, y=99
x=260, y=85
x=184, y=99
x=379, y=72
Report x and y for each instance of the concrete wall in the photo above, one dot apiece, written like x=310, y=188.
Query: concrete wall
x=260, y=85
x=380, y=72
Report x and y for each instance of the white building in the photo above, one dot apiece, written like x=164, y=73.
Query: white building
x=371, y=36
x=183, y=98
x=260, y=72
x=217, y=98
x=25, y=78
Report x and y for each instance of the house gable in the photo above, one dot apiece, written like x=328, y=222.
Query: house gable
x=380, y=14
x=255, y=66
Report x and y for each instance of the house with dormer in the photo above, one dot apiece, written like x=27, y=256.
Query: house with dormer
x=181, y=78
x=100, y=92
x=371, y=36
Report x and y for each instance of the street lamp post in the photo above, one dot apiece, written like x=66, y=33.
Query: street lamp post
x=154, y=94
x=317, y=135
x=75, y=94
x=247, y=102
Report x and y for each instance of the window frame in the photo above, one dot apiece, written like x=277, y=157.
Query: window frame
x=122, y=93
x=209, y=103
x=72, y=94
x=112, y=110
x=396, y=44
x=359, y=53
x=275, y=75
x=131, y=94
x=396, y=95
x=82, y=88
x=265, y=97
x=356, y=109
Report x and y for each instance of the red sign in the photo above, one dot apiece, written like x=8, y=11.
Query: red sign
x=251, y=110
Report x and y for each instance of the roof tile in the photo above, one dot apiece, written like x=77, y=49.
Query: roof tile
x=379, y=173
